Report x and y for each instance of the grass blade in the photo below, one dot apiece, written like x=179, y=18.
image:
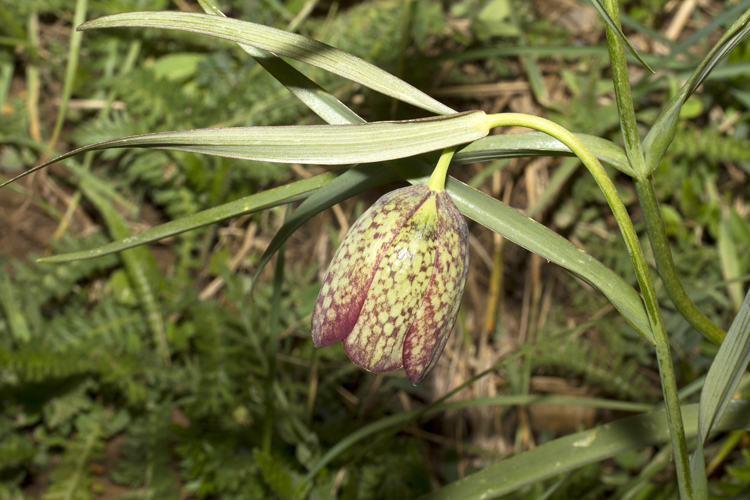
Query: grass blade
x=280, y=43
x=721, y=382
x=726, y=371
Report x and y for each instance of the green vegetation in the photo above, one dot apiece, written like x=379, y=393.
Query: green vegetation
x=185, y=369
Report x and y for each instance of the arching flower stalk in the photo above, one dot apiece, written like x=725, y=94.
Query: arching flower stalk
x=394, y=286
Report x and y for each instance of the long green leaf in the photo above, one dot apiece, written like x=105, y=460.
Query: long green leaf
x=574, y=451
x=542, y=241
x=317, y=144
x=660, y=136
x=539, y=144
x=288, y=193
x=614, y=27
x=280, y=43
x=726, y=371
x=311, y=94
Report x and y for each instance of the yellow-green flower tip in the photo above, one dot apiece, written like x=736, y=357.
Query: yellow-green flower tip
x=394, y=286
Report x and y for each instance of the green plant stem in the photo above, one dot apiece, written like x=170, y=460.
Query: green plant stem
x=437, y=179
x=665, y=265
x=273, y=347
x=70, y=72
x=638, y=163
x=663, y=352
x=622, y=92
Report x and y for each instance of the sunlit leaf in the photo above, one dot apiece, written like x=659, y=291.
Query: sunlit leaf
x=310, y=93
x=281, y=43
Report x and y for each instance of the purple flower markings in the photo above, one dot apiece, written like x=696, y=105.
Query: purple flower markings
x=394, y=287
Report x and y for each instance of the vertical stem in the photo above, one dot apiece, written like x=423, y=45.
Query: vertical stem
x=79, y=17
x=273, y=347
x=665, y=265
x=622, y=92
x=663, y=351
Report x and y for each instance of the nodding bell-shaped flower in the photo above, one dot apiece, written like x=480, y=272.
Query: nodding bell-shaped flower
x=394, y=286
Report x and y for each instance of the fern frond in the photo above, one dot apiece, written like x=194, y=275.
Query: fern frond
x=715, y=146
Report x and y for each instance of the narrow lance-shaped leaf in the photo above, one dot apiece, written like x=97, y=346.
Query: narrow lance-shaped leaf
x=288, y=193
x=574, y=451
x=494, y=147
x=317, y=144
x=660, y=136
x=726, y=370
x=721, y=382
x=610, y=22
x=281, y=43
x=310, y=93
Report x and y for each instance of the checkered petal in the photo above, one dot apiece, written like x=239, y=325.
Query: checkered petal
x=434, y=320
x=377, y=340
x=394, y=286
x=356, y=262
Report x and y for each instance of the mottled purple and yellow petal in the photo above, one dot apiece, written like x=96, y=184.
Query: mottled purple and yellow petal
x=377, y=339
x=436, y=315
x=356, y=261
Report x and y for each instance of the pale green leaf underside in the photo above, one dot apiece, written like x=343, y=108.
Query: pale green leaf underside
x=574, y=451
x=315, y=144
x=280, y=43
x=330, y=109
x=287, y=193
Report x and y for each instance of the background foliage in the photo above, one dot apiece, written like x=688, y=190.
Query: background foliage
x=144, y=375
